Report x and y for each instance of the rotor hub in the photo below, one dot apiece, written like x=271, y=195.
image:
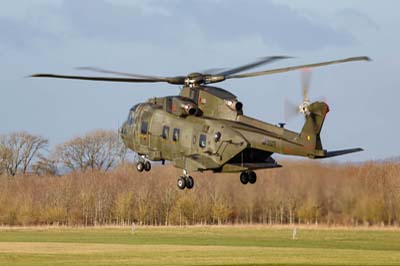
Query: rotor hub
x=194, y=79
x=303, y=108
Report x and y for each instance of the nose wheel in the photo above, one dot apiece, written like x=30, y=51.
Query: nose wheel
x=248, y=177
x=185, y=181
x=143, y=165
x=140, y=166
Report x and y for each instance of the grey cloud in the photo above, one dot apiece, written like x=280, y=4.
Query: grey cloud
x=351, y=17
x=19, y=35
x=103, y=20
x=278, y=26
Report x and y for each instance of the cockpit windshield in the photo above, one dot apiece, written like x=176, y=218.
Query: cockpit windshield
x=130, y=118
x=131, y=115
x=133, y=109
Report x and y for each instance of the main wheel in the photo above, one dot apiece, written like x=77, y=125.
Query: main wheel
x=252, y=177
x=181, y=183
x=147, y=166
x=189, y=182
x=140, y=166
x=244, y=178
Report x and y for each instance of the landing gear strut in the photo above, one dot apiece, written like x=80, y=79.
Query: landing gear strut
x=248, y=177
x=185, y=181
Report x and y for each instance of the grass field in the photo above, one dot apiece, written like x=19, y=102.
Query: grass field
x=198, y=246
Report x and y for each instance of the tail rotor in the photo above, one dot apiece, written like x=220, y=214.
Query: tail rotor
x=291, y=110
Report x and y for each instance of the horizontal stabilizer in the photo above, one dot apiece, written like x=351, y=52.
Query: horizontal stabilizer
x=329, y=154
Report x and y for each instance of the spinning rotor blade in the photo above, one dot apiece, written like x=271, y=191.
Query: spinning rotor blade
x=290, y=110
x=100, y=70
x=173, y=80
x=287, y=69
x=211, y=72
x=261, y=61
x=305, y=82
x=196, y=79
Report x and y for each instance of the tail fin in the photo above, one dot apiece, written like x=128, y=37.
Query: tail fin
x=315, y=117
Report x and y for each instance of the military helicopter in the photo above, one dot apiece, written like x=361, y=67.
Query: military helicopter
x=204, y=128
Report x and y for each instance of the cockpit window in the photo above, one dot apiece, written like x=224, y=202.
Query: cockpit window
x=130, y=118
x=144, y=127
x=133, y=109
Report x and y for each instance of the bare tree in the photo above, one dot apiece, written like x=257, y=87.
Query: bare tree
x=4, y=157
x=18, y=150
x=44, y=166
x=100, y=150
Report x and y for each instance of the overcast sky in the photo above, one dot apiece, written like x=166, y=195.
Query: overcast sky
x=181, y=36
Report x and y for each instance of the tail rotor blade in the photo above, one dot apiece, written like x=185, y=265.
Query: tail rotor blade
x=290, y=110
x=306, y=82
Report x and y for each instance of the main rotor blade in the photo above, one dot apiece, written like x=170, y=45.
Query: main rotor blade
x=173, y=80
x=287, y=69
x=212, y=71
x=261, y=61
x=100, y=70
x=111, y=79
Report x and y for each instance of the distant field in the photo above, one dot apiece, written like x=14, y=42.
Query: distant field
x=198, y=246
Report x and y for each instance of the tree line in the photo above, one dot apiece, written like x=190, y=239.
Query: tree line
x=99, y=191
x=25, y=153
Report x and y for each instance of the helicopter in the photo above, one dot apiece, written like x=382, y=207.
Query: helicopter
x=204, y=128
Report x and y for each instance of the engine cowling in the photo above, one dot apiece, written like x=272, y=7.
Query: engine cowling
x=181, y=106
x=189, y=108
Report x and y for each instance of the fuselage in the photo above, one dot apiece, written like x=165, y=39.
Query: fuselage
x=203, y=143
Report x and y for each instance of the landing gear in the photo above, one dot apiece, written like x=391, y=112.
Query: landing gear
x=185, y=181
x=244, y=178
x=147, y=166
x=252, y=177
x=140, y=166
x=143, y=164
x=189, y=182
x=181, y=183
x=248, y=177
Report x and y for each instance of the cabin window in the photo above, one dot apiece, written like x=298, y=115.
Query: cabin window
x=165, y=132
x=176, y=134
x=144, y=127
x=202, y=140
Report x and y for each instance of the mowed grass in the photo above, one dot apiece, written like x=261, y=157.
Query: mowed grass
x=198, y=246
